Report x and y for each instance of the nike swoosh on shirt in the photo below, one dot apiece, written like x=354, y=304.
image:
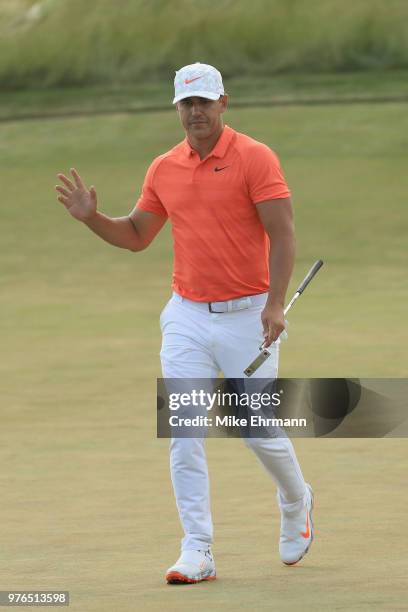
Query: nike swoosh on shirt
x=216, y=169
x=187, y=81
x=306, y=534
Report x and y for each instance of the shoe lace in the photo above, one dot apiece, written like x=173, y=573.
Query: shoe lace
x=207, y=553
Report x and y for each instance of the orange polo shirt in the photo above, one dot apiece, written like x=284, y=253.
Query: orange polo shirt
x=221, y=249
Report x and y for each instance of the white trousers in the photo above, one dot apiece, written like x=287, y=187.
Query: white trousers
x=199, y=344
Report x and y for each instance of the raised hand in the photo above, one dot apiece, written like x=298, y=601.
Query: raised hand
x=78, y=200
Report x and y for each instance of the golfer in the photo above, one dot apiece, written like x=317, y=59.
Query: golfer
x=232, y=222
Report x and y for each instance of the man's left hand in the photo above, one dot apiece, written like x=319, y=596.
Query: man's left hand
x=273, y=322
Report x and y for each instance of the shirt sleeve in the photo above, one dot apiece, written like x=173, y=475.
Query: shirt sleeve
x=148, y=199
x=264, y=175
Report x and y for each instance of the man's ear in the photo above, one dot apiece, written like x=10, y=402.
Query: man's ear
x=223, y=102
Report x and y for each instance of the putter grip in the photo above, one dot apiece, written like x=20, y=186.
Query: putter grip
x=316, y=267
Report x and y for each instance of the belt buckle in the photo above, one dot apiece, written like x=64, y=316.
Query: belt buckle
x=214, y=311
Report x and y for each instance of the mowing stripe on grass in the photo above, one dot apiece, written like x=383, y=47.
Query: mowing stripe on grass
x=237, y=104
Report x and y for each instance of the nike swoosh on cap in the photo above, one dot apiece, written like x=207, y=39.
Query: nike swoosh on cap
x=187, y=81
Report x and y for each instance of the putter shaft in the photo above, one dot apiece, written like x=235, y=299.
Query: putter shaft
x=263, y=356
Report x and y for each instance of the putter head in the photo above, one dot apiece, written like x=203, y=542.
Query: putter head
x=257, y=362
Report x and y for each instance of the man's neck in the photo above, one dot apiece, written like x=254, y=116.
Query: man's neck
x=205, y=146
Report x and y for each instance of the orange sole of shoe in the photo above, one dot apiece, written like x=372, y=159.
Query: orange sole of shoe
x=177, y=578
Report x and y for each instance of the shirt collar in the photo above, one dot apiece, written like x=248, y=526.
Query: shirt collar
x=221, y=146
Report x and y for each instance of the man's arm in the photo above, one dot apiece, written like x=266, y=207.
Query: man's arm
x=134, y=232
x=277, y=219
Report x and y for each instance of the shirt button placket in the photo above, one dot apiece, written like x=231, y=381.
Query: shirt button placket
x=196, y=166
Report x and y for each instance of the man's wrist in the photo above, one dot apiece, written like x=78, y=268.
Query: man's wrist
x=274, y=301
x=91, y=218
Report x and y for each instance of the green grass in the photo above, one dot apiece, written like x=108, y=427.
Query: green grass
x=76, y=309
x=86, y=497
x=279, y=89
x=273, y=90
x=71, y=42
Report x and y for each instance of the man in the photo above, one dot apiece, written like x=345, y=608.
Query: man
x=232, y=224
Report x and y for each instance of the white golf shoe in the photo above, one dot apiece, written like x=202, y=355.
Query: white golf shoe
x=296, y=534
x=192, y=566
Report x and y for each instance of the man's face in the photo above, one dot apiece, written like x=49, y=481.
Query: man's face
x=201, y=117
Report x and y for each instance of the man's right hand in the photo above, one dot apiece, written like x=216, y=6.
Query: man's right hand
x=78, y=200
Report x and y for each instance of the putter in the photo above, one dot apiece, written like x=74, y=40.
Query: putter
x=264, y=354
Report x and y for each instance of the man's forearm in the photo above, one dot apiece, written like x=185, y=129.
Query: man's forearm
x=118, y=231
x=281, y=261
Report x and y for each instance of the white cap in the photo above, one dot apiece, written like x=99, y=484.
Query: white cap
x=198, y=79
